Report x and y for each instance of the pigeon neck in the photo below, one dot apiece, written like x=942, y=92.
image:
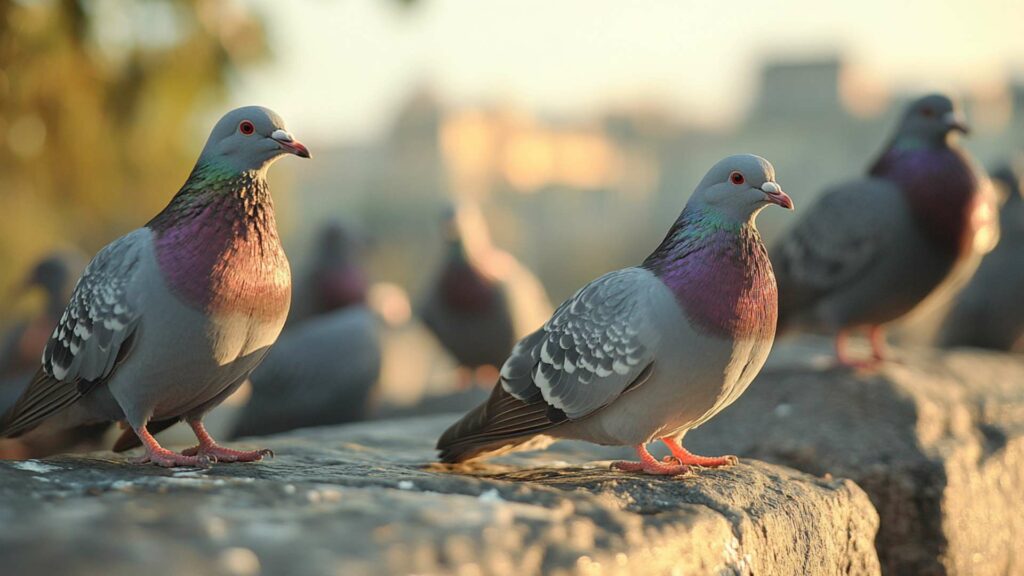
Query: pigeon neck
x=218, y=247
x=941, y=189
x=464, y=288
x=719, y=272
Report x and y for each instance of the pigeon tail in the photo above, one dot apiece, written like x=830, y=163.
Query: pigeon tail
x=500, y=424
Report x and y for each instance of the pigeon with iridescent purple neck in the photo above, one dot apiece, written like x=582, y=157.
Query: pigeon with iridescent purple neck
x=647, y=352
x=168, y=320
x=873, y=249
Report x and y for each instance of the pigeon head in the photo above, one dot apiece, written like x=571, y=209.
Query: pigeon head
x=930, y=119
x=738, y=187
x=250, y=138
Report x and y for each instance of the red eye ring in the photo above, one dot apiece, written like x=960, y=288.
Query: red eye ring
x=737, y=178
x=246, y=127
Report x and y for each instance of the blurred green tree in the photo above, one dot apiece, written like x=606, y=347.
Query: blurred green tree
x=99, y=101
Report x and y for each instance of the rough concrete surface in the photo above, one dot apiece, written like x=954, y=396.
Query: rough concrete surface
x=936, y=440
x=365, y=499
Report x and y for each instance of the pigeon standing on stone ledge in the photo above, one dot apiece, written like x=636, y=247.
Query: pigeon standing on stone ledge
x=467, y=309
x=170, y=319
x=871, y=250
x=648, y=352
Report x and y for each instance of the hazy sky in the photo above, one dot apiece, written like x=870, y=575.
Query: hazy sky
x=342, y=66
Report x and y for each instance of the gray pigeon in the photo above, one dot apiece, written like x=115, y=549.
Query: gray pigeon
x=988, y=313
x=466, y=309
x=336, y=278
x=170, y=319
x=322, y=371
x=55, y=275
x=648, y=352
x=872, y=249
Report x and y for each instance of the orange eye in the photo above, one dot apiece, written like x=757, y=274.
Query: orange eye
x=737, y=178
x=246, y=127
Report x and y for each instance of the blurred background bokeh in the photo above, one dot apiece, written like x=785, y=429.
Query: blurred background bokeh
x=575, y=130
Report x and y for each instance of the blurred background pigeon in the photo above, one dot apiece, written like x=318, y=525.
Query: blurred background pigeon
x=53, y=277
x=337, y=278
x=480, y=299
x=321, y=371
x=871, y=250
x=988, y=313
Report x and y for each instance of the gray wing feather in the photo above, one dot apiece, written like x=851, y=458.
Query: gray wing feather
x=594, y=347
x=102, y=314
x=93, y=334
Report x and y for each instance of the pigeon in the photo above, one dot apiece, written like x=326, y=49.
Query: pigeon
x=168, y=320
x=322, y=371
x=338, y=279
x=871, y=250
x=988, y=314
x=467, y=309
x=646, y=352
x=55, y=275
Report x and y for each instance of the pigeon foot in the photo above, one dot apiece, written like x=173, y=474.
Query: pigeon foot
x=685, y=457
x=649, y=465
x=157, y=454
x=219, y=453
x=209, y=448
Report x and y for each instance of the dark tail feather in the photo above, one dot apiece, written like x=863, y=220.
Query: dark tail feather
x=44, y=396
x=129, y=439
x=502, y=421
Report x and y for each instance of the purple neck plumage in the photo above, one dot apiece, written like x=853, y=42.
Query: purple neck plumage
x=720, y=274
x=464, y=288
x=217, y=244
x=941, y=187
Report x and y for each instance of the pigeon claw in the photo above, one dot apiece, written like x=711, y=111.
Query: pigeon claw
x=221, y=454
x=654, y=468
x=685, y=457
x=168, y=459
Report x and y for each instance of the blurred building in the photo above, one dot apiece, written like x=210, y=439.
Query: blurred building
x=575, y=197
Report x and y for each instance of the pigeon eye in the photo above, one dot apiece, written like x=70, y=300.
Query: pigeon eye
x=927, y=112
x=246, y=127
x=737, y=178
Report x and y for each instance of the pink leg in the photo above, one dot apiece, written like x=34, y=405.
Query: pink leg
x=878, y=346
x=208, y=448
x=157, y=454
x=684, y=456
x=843, y=356
x=649, y=465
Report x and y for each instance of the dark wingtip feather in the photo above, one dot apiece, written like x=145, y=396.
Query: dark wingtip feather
x=501, y=421
x=44, y=396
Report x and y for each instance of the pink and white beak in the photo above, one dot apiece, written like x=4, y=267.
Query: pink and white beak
x=774, y=194
x=289, y=144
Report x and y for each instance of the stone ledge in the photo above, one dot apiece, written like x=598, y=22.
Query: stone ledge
x=364, y=499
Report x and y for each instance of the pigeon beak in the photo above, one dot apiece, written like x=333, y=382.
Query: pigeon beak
x=773, y=193
x=289, y=144
x=956, y=122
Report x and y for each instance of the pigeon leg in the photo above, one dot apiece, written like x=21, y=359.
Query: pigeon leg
x=208, y=447
x=878, y=346
x=649, y=464
x=843, y=354
x=685, y=457
x=157, y=454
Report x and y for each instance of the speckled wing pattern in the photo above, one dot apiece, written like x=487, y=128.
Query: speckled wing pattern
x=593, y=348
x=94, y=332
x=838, y=239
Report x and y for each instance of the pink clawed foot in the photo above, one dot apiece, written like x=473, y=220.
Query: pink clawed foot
x=218, y=453
x=685, y=457
x=157, y=454
x=649, y=465
x=210, y=449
